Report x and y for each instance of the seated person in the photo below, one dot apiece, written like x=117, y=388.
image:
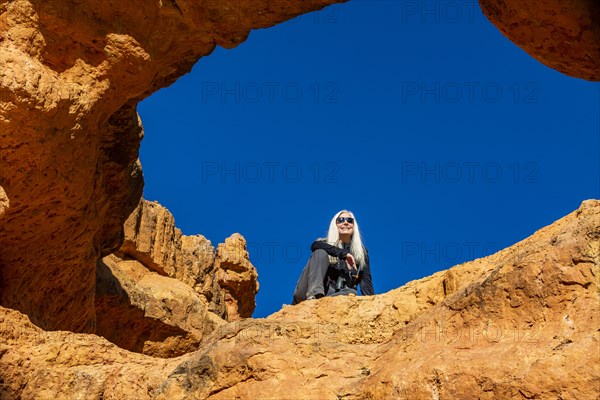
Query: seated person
x=338, y=264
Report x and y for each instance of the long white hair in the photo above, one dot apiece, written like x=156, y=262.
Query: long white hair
x=356, y=245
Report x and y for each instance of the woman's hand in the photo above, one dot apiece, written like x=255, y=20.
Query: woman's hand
x=351, y=262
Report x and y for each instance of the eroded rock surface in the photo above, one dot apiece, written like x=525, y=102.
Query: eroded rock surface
x=162, y=292
x=71, y=75
x=4, y=202
x=237, y=276
x=522, y=323
x=152, y=239
x=562, y=34
x=142, y=311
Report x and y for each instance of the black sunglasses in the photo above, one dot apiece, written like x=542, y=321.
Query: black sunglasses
x=341, y=220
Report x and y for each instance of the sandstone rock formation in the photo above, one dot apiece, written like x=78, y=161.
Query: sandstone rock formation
x=71, y=75
x=562, y=34
x=152, y=239
x=522, y=323
x=163, y=292
x=237, y=277
x=148, y=313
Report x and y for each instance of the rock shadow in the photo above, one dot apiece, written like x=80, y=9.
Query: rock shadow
x=125, y=325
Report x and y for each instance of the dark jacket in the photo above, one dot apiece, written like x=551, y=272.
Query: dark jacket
x=364, y=278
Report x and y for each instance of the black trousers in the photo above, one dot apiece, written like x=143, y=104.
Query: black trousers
x=311, y=282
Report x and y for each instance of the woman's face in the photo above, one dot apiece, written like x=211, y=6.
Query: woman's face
x=344, y=226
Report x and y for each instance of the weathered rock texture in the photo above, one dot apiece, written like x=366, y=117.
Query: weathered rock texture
x=152, y=239
x=142, y=311
x=562, y=34
x=237, y=276
x=71, y=75
x=4, y=202
x=162, y=292
x=522, y=323
x=519, y=324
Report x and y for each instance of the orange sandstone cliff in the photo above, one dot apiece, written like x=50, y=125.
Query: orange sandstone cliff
x=561, y=34
x=520, y=324
x=102, y=297
x=71, y=75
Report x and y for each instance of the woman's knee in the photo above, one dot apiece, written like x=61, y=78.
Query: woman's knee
x=320, y=254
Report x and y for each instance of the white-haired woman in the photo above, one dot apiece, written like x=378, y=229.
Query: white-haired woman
x=338, y=264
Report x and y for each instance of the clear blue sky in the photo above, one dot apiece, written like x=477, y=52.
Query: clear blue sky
x=446, y=140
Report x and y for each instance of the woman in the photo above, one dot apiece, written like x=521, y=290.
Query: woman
x=338, y=263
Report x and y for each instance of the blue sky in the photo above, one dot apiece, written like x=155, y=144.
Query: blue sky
x=446, y=140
